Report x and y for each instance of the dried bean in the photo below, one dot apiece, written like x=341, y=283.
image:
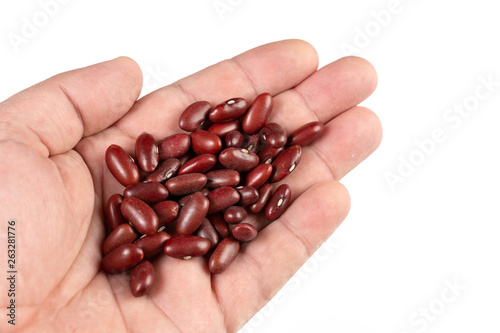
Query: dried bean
x=285, y=163
x=264, y=194
x=167, y=211
x=207, y=230
x=274, y=135
x=142, y=278
x=123, y=234
x=204, y=142
x=142, y=217
x=235, y=214
x=122, y=258
x=121, y=165
x=185, y=184
x=258, y=113
x=152, y=245
x=244, y=232
x=113, y=213
x=223, y=177
x=278, y=202
x=149, y=192
x=219, y=224
x=174, y=146
x=198, y=164
x=258, y=176
x=223, y=255
x=234, y=139
x=194, y=115
x=146, y=152
x=221, y=198
x=192, y=214
x=222, y=129
x=268, y=154
x=238, y=159
x=248, y=195
x=187, y=246
x=229, y=110
x=165, y=170
x=306, y=134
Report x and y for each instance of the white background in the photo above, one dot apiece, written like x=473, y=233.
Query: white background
x=402, y=245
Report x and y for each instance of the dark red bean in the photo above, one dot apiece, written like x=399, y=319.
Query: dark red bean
x=186, y=184
x=258, y=113
x=142, y=217
x=238, y=159
x=268, y=154
x=187, y=246
x=198, y=164
x=234, y=139
x=264, y=194
x=248, y=195
x=285, y=163
x=113, y=213
x=253, y=144
x=165, y=170
x=222, y=129
x=259, y=175
x=229, y=110
x=244, y=232
x=167, y=211
x=194, y=115
x=207, y=230
x=174, y=146
x=121, y=165
x=204, y=142
x=146, y=152
x=123, y=234
x=219, y=224
x=192, y=214
x=223, y=255
x=306, y=134
x=221, y=198
x=278, y=202
x=186, y=157
x=122, y=258
x=142, y=278
x=274, y=135
x=235, y=214
x=222, y=177
x=152, y=245
x=149, y=192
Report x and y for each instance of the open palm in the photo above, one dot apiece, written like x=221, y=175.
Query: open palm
x=54, y=182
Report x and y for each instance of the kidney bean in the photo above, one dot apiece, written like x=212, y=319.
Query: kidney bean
x=199, y=164
x=306, y=134
x=204, y=142
x=229, y=110
x=207, y=230
x=167, y=211
x=174, y=146
x=219, y=224
x=274, y=135
x=142, y=278
x=222, y=129
x=234, y=139
x=285, y=163
x=122, y=258
x=194, y=115
x=149, y=192
x=146, y=152
x=238, y=159
x=123, y=234
x=221, y=198
x=259, y=175
x=248, y=195
x=258, y=113
x=121, y=165
x=278, y=202
x=244, y=232
x=113, y=214
x=264, y=194
x=142, y=217
x=192, y=214
x=186, y=246
x=235, y=214
x=222, y=177
x=152, y=245
x=223, y=255
x=268, y=154
x=185, y=184
x=165, y=170
x=253, y=144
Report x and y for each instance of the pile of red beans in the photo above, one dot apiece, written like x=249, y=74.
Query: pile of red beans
x=190, y=193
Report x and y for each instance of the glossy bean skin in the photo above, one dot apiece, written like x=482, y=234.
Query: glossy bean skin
x=204, y=142
x=223, y=255
x=238, y=159
x=140, y=215
x=259, y=175
x=186, y=184
x=174, y=146
x=220, y=225
x=198, y=164
x=167, y=211
x=122, y=258
x=268, y=154
x=285, y=163
x=121, y=165
x=207, y=230
x=152, y=245
x=113, y=213
x=194, y=115
x=223, y=177
x=192, y=214
x=146, y=152
x=222, y=198
x=258, y=113
x=264, y=194
x=229, y=110
x=123, y=234
x=274, y=135
x=278, y=202
x=234, y=139
x=235, y=214
x=149, y=192
x=253, y=144
x=142, y=278
x=244, y=232
x=187, y=246
x=306, y=134
x=165, y=170
x=248, y=195
x=222, y=129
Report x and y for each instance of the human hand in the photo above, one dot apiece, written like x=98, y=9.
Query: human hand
x=55, y=182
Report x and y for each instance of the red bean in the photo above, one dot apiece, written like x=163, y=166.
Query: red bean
x=167, y=211
x=278, y=202
x=264, y=194
x=258, y=176
x=223, y=255
x=285, y=163
x=222, y=129
x=238, y=159
x=149, y=192
x=219, y=224
x=207, y=230
x=152, y=245
x=142, y=278
x=146, y=152
x=244, y=232
x=121, y=165
x=204, y=142
x=234, y=139
x=306, y=134
x=248, y=195
x=192, y=214
x=187, y=246
x=123, y=234
x=235, y=214
x=113, y=214
x=185, y=184
x=142, y=217
x=268, y=154
x=274, y=135
x=174, y=146
x=258, y=113
x=199, y=164
x=253, y=144
x=221, y=198
x=223, y=177
x=165, y=170
x=194, y=115
x=229, y=110
x=122, y=258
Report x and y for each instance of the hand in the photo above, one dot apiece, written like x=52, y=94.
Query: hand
x=54, y=183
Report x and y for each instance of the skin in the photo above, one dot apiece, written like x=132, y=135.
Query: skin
x=53, y=136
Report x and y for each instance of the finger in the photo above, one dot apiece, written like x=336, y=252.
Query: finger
x=54, y=115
